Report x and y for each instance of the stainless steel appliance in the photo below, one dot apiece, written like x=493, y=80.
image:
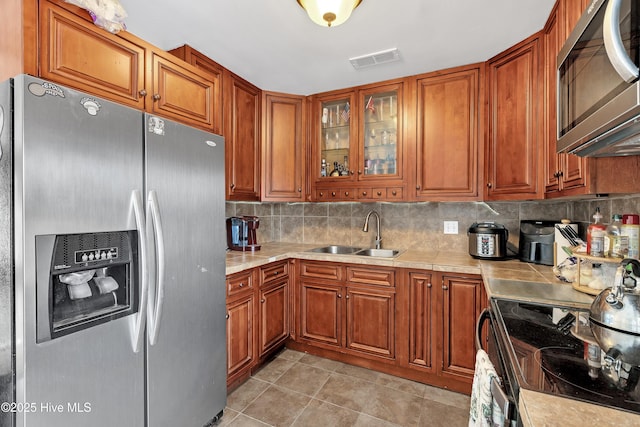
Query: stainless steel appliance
x=536, y=242
x=548, y=348
x=598, y=87
x=614, y=314
x=112, y=300
x=242, y=233
x=488, y=240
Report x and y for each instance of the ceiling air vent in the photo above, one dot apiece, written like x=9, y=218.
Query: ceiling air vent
x=375, y=58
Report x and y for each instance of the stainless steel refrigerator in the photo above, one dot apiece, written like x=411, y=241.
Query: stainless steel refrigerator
x=112, y=264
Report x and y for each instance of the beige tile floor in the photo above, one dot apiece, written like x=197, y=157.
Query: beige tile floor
x=298, y=389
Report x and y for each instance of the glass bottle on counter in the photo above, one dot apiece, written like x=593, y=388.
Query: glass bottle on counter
x=595, y=235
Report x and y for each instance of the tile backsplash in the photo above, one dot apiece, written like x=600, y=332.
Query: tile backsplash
x=412, y=225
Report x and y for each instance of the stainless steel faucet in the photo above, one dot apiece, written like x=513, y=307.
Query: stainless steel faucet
x=366, y=227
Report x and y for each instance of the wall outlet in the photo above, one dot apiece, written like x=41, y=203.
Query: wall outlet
x=451, y=227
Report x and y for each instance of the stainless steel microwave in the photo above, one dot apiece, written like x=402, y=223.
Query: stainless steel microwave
x=598, y=87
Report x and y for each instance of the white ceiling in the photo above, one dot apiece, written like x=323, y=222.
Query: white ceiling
x=274, y=45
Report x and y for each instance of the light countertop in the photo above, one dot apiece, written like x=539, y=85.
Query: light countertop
x=510, y=279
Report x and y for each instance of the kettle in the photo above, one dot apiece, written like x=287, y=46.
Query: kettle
x=614, y=316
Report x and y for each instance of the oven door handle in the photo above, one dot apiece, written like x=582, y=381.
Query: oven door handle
x=486, y=314
x=502, y=400
x=613, y=45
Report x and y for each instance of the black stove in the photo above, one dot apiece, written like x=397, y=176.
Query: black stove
x=551, y=350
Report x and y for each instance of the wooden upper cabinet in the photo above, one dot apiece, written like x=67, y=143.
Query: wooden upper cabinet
x=180, y=93
x=448, y=136
x=514, y=142
x=564, y=173
x=283, y=147
x=76, y=53
x=242, y=103
x=215, y=72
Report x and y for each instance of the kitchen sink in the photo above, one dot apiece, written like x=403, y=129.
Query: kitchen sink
x=380, y=253
x=336, y=249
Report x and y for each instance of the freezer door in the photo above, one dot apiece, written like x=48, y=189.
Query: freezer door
x=6, y=256
x=186, y=346
x=78, y=160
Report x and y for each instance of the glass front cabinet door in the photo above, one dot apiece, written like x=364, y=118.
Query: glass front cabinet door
x=357, y=153
x=379, y=152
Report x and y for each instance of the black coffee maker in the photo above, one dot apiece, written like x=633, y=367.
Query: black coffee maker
x=536, y=241
x=241, y=233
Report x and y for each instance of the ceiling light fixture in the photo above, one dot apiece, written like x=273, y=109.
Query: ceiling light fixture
x=330, y=13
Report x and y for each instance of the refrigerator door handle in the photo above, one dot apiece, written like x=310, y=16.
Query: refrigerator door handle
x=155, y=313
x=138, y=321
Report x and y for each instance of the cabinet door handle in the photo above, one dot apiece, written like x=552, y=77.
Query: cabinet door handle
x=351, y=172
x=445, y=287
x=346, y=193
x=321, y=194
x=333, y=194
x=241, y=285
x=299, y=189
x=339, y=295
x=142, y=93
x=379, y=193
x=359, y=172
x=560, y=174
x=156, y=97
x=429, y=285
x=417, y=187
x=232, y=186
x=262, y=300
x=364, y=193
x=489, y=185
x=227, y=316
x=394, y=192
x=347, y=297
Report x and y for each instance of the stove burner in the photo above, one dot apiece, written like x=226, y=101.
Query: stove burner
x=549, y=359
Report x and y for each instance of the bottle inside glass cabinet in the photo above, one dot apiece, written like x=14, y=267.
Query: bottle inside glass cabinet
x=380, y=133
x=334, y=138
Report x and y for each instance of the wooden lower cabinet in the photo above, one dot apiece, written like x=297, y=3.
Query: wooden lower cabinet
x=356, y=316
x=370, y=321
x=422, y=320
x=258, y=310
x=274, y=318
x=462, y=301
x=416, y=324
x=241, y=352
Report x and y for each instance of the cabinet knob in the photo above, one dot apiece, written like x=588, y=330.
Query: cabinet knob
x=429, y=285
x=347, y=297
x=299, y=189
x=489, y=185
x=394, y=192
x=364, y=193
x=262, y=300
x=275, y=273
x=359, y=172
x=227, y=316
x=560, y=173
x=339, y=295
x=379, y=193
x=156, y=97
x=351, y=172
x=241, y=285
x=232, y=186
x=333, y=194
x=346, y=193
x=142, y=93
x=321, y=194
x=417, y=187
x=445, y=287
